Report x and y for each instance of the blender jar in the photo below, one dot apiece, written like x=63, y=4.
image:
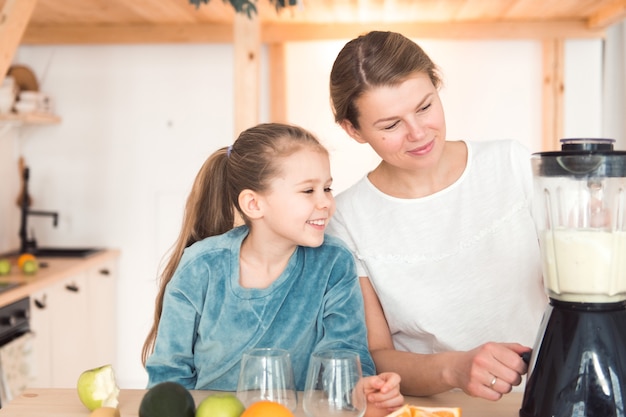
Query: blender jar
x=580, y=212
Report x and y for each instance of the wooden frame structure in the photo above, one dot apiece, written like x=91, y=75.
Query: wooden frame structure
x=45, y=22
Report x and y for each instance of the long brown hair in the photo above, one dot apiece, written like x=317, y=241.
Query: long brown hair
x=249, y=163
x=373, y=60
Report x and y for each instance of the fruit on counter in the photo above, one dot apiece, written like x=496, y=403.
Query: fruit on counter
x=97, y=388
x=23, y=258
x=418, y=411
x=167, y=399
x=30, y=267
x=105, y=412
x=267, y=409
x=220, y=405
x=5, y=267
x=28, y=263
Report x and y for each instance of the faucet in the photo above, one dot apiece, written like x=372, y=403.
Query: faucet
x=30, y=245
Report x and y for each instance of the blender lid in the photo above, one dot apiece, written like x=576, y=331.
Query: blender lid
x=582, y=157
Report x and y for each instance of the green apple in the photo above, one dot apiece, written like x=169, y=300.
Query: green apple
x=220, y=405
x=97, y=388
x=30, y=267
x=5, y=267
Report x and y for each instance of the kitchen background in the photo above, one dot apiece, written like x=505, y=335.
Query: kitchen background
x=139, y=120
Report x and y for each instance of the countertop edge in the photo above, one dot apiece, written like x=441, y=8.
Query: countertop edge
x=57, y=270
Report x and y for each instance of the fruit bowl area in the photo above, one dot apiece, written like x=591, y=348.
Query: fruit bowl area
x=98, y=391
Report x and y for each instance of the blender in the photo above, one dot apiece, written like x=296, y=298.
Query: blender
x=578, y=364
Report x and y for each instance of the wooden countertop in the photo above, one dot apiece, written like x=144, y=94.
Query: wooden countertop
x=57, y=269
x=65, y=403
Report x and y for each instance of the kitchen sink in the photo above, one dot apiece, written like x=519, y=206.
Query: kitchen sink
x=57, y=252
x=65, y=252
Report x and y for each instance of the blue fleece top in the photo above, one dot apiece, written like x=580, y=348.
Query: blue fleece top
x=209, y=320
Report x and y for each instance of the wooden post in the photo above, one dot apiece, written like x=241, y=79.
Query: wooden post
x=247, y=47
x=552, y=109
x=13, y=20
x=278, y=83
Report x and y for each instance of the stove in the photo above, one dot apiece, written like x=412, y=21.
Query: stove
x=14, y=320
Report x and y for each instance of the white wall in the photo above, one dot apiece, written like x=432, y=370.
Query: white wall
x=139, y=120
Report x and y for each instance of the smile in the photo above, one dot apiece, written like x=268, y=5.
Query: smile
x=319, y=222
x=422, y=150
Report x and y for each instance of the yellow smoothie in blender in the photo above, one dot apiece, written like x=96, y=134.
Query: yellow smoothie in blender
x=584, y=265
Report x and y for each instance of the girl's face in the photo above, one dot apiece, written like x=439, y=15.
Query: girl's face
x=299, y=202
x=404, y=123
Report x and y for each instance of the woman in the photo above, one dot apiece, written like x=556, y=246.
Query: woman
x=442, y=231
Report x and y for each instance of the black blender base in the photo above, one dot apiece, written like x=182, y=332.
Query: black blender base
x=579, y=367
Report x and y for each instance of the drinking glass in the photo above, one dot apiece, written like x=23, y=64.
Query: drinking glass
x=334, y=385
x=266, y=374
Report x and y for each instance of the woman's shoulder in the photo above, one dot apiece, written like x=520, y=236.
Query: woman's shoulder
x=499, y=152
x=362, y=195
x=497, y=145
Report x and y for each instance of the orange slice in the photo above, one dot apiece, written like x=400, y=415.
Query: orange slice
x=419, y=411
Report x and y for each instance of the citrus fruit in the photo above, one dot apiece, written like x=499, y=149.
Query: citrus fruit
x=30, y=267
x=5, y=267
x=97, y=388
x=23, y=258
x=167, y=399
x=420, y=411
x=105, y=412
x=220, y=405
x=267, y=409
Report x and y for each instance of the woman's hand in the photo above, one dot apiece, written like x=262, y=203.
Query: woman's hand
x=382, y=392
x=490, y=370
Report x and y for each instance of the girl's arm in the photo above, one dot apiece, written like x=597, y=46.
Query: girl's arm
x=172, y=359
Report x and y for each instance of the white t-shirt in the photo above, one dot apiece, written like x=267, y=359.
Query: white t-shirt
x=460, y=267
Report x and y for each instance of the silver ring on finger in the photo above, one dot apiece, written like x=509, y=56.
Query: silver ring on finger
x=493, y=381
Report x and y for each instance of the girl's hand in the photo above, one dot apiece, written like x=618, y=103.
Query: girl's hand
x=382, y=392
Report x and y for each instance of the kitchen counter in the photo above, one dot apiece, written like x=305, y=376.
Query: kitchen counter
x=57, y=269
x=65, y=403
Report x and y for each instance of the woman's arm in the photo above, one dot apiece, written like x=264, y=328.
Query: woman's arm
x=429, y=374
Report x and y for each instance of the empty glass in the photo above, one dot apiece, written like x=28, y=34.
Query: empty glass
x=266, y=374
x=334, y=385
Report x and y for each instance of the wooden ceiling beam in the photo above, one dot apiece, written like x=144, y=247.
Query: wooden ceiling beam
x=128, y=34
x=273, y=33
x=14, y=18
x=608, y=15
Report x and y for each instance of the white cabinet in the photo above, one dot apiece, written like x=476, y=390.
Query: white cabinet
x=102, y=308
x=40, y=324
x=74, y=325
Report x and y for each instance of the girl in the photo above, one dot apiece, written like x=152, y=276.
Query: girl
x=275, y=281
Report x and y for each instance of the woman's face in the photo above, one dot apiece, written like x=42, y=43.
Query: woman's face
x=404, y=123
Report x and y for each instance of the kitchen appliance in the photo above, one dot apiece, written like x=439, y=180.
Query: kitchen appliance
x=15, y=337
x=578, y=364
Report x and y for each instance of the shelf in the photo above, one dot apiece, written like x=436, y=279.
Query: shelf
x=30, y=119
